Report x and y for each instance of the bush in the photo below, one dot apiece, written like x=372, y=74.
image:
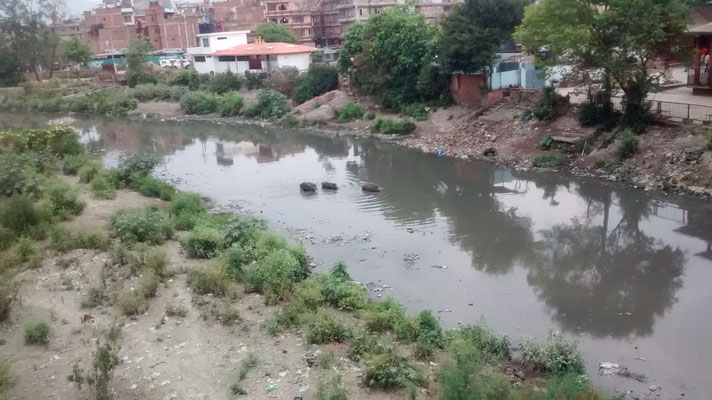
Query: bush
x=7, y=378
x=627, y=144
x=319, y=79
x=213, y=279
x=64, y=200
x=548, y=160
x=389, y=370
x=350, y=112
x=106, y=101
x=268, y=105
x=203, y=242
x=104, y=184
x=186, y=77
x=255, y=80
x=554, y=354
x=7, y=238
x=390, y=126
x=483, y=340
x=283, y=80
x=63, y=240
x=243, y=230
x=225, y=82
x=136, y=165
x=570, y=386
x=546, y=142
x=384, y=316
x=149, y=91
x=37, y=333
x=131, y=303
x=185, y=210
x=549, y=106
x=199, y=103
x=148, y=225
x=72, y=163
x=231, y=104
x=340, y=291
x=235, y=258
x=89, y=170
x=591, y=114
x=415, y=110
x=323, y=327
x=147, y=284
x=275, y=275
x=19, y=174
x=152, y=187
x=23, y=218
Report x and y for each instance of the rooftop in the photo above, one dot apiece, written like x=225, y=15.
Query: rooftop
x=228, y=33
x=255, y=49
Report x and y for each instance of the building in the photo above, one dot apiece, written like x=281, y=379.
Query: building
x=698, y=77
x=434, y=10
x=203, y=56
x=68, y=29
x=255, y=57
x=296, y=14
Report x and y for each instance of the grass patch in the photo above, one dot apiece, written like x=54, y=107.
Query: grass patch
x=37, y=333
x=323, y=327
x=351, y=111
x=104, y=184
x=333, y=390
x=212, y=279
x=64, y=200
x=152, y=187
x=389, y=126
x=176, y=310
x=627, y=144
x=63, y=240
x=553, y=353
x=548, y=160
x=7, y=377
x=203, y=242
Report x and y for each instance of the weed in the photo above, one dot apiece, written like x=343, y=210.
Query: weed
x=77, y=376
x=323, y=327
x=7, y=238
x=63, y=240
x=136, y=165
x=275, y=275
x=25, y=249
x=64, y=200
x=554, y=354
x=152, y=187
x=113, y=334
x=203, y=242
x=131, y=303
x=570, y=386
x=548, y=160
x=173, y=310
x=627, y=144
x=389, y=126
x=484, y=340
x=148, y=225
x=339, y=290
x=546, y=142
x=267, y=105
x=23, y=218
x=213, y=278
x=388, y=370
x=95, y=297
x=416, y=110
x=549, y=106
x=7, y=378
x=199, y=103
x=231, y=104
x=105, y=359
x=37, y=333
x=147, y=284
x=243, y=230
x=384, y=316
x=104, y=184
x=89, y=170
x=235, y=258
x=185, y=210
x=248, y=364
x=334, y=390
x=351, y=111
x=237, y=389
x=72, y=163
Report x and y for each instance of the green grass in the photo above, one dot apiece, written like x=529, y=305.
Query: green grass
x=324, y=327
x=212, y=279
x=145, y=225
x=7, y=377
x=203, y=242
x=104, y=184
x=548, y=160
x=554, y=353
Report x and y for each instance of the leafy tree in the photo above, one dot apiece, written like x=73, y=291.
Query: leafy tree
x=619, y=37
x=473, y=33
x=10, y=68
x=75, y=51
x=136, y=58
x=274, y=32
x=386, y=53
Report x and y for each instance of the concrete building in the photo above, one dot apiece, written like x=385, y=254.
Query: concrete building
x=435, y=10
x=68, y=29
x=255, y=57
x=296, y=14
x=203, y=57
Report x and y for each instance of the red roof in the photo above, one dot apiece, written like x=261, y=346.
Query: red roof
x=256, y=49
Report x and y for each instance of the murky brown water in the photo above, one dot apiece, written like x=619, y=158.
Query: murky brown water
x=626, y=272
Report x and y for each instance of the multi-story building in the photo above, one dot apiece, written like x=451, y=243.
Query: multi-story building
x=296, y=14
x=434, y=10
x=68, y=29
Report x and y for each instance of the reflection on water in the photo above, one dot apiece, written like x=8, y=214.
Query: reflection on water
x=616, y=267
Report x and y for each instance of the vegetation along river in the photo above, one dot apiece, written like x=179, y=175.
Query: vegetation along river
x=626, y=272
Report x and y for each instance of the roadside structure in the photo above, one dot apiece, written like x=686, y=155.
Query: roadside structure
x=263, y=57
x=698, y=77
x=203, y=56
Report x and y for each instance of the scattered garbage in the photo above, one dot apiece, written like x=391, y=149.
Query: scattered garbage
x=271, y=388
x=611, y=368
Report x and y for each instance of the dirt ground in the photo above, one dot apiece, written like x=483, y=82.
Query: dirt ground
x=161, y=357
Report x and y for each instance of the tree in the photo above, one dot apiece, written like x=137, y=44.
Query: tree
x=75, y=51
x=386, y=53
x=136, y=58
x=473, y=33
x=10, y=69
x=618, y=37
x=274, y=32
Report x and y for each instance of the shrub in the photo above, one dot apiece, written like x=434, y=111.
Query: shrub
x=7, y=378
x=554, y=354
x=72, y=163
x=185, y=210
x=546, y=142
x=147, y=284
x=255, y=80
x=186, y=77
x=390, y=126
x=22, y=217
x=283, y=80
x=203, y=242
x=7, y=238
x=136, y=165
x=627, y=144
x=549, y=106
x=37, y=333
x=590, y=114
x=148, y=225
x=225, y=82
x=152, y=187
x=323, y=327
x=104, y=184
x=339, y=290
x=388, y=370
x=416, y=110
x=350, y=112
x=89, y=170
x=235, y=258
x=384, y=316
x=275, y=275
x=63, y=240
x=95, y=297
x=483, y=340
x=199, y=103
x=64, y=200
x=243, y=230
x=19, y=174
x=570, y=386
x=131, y=303
x=60, y=141
x=151, y=91
x=319, y=79
x=106, y=101
x=268, y=105
x=231, y=104
x=548, y=160
x=213, y=279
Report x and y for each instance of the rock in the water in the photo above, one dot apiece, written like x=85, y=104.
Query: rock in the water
x=329, y=186
x=307, y=187
x=370, y=187
x=693, y=153
x=490, y=152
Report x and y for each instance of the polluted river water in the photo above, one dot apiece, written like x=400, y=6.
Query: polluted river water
x=625, y=272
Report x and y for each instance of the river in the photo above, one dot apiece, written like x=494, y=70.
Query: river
x=624, y=271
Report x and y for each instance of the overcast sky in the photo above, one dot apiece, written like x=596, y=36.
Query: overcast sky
x=77, y=7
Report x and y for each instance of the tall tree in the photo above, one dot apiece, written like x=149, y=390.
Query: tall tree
x=274, y=32
x=619, y=37
x=473, y=33
x=75, y=51
x=136, y=59
x=386, y=54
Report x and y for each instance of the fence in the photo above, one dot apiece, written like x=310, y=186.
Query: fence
x=671, y=110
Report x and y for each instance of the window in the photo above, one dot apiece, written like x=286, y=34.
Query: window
x=242, y=58
x=298, y=18
x=284, y=21
x=283, y=7
x=128, y=19
x=157, y=30
x=206, y=42
x=226, y=58
x=199, y=58
x=222, y=38
x=270, y=7
x=360, y=11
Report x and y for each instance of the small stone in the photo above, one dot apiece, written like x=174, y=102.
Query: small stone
x=653, y=388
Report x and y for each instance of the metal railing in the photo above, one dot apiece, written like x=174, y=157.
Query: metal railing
x=672, y=110
x=698, y=77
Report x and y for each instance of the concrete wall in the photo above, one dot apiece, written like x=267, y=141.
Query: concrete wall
x=300, y=61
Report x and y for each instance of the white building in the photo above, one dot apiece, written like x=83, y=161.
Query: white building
x=209, y=43
x=263, y=57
